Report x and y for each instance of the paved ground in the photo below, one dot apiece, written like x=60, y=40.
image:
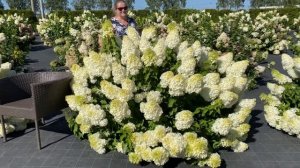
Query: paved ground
x=269, y=148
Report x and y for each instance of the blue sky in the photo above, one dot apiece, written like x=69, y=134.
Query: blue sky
x=191, y=4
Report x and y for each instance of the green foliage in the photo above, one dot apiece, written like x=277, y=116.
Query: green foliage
x=179, y=14
x=52, y=5
x=84, y=4
x=225, y=4
x=74, y=127
x=291, y=95
x=18, y=4
x=32, y=19
x=105, y=4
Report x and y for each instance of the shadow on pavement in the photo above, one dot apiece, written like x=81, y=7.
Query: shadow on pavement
x=39, y=48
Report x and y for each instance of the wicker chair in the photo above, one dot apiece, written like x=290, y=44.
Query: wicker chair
x=33, y=96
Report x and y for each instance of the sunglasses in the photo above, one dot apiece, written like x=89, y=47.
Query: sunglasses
x=122, y=8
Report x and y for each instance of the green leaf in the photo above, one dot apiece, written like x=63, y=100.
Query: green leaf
x=171, y=102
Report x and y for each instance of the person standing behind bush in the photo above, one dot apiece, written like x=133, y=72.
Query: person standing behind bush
x=121, y=21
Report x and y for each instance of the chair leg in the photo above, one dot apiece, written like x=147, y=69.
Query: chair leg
x=43, y=121
x=38, y=138
x=3, y=128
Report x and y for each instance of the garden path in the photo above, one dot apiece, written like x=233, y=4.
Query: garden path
x=267, y=147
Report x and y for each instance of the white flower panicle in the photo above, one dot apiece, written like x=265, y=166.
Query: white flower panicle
x=237, y=69
x=224, y=61
x=172, y=39
x=177, y=85
x=98, y=65
x=210, y=92
x=154, y=96
x=194, y=84
x=228, y=98
x=160, y=156
x=80, y=74
x=184, y=120
x=287, y=62
x=128, y=85
x=97, y=143
x=120, y=110
x=109, y=90
x=149, y=57
x=151, y=110
x=187, y=67
x=118, y=72
x=165, y=79
x=211, y=79
x=128, y=48
x=93, y=114
x=222, y=126
x=223, y=41
x=175, y=144
x=133, y=64
x=159, y=50
x=279, y=77
x=133, y=35
x=276, y=90
x=227, y=83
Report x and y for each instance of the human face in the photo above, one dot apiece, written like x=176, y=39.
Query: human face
x=121, y=9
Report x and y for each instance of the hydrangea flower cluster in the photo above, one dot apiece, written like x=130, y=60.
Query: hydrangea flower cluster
x=151, y=102
x=281, y=104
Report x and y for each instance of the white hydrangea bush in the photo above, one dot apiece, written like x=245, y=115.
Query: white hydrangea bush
x=271, y=32
x=160, y=98
x=15, y=37
x=281, y=105
x=72, y=38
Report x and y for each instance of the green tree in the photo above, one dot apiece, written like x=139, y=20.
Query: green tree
x=56, y=4
x=230, y=4
x=154, y=4
x=105, y=4
x=18, y=4
x=165, y=4
x=84, y=4
x=1, y=5
x=173, y=4
x=260, y=3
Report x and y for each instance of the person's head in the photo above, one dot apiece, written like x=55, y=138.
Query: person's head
x=120, y=8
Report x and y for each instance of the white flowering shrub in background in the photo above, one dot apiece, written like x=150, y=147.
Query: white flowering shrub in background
x=296, y=28
x=15, y=37
x=158, y=19
x=71, y=38
x=157, y=97
x=52, y=28
x=199, y=26
x=271, y=32
x=282, y=103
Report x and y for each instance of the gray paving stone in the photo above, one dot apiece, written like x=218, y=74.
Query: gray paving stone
x=85, y=163
x=243, y=164
x=68, y=162
x=101, y=163
x=19, y=162
x=268, y=157
x=52, y=161
x=36, y=161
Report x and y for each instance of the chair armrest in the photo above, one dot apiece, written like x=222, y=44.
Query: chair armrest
x=49, y=97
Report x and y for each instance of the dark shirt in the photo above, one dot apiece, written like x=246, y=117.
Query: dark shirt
x=120, y=29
